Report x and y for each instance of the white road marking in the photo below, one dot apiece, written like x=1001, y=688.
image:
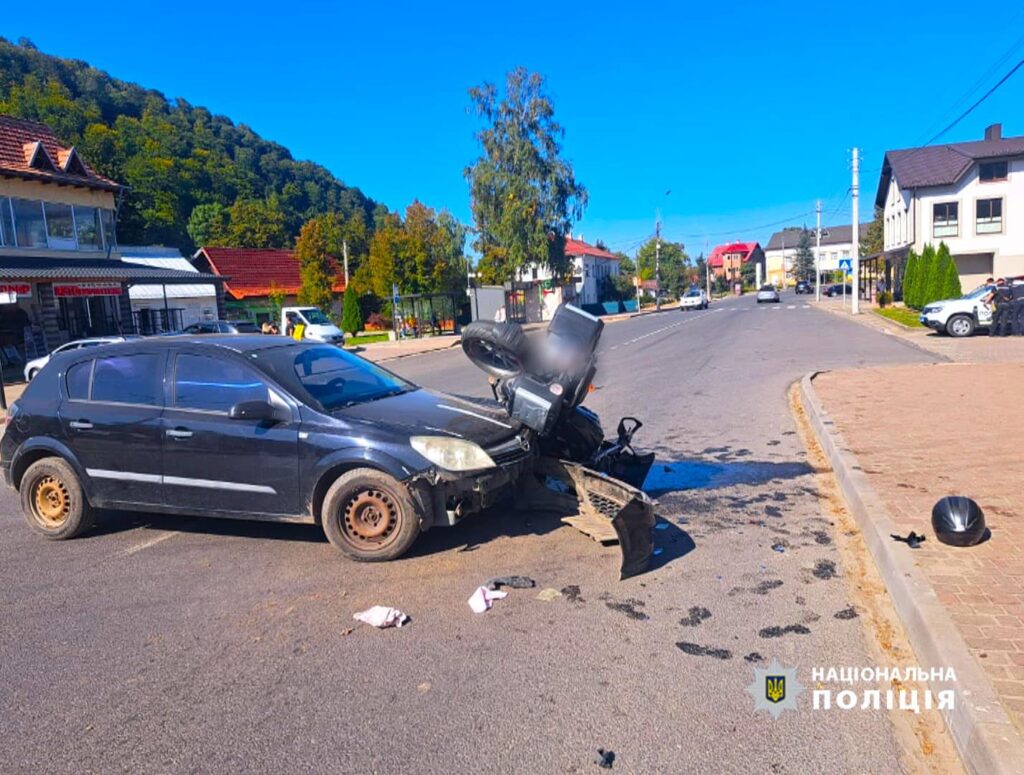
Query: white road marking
x=688, y=319
x=791, y=306
x=147, y=544
x=806, y=306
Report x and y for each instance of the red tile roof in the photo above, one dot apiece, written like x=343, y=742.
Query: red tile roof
x=258, y=271
x=21, y=141
x=746, y=248
x=575, y=247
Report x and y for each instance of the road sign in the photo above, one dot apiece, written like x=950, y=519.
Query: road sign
x=846, y=264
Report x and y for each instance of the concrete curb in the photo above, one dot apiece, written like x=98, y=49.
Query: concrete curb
x=985, y=737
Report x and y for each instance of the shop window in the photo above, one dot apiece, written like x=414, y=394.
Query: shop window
x=60, y=226
x=109, y=235
x=87, y=228
x=29, y=225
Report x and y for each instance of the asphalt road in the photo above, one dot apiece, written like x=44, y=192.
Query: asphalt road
x=158, y=644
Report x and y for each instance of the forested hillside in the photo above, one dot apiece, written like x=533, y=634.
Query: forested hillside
x=195, y=177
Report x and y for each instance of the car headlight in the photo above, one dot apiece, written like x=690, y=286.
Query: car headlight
x=930, y=310
x=452, y=454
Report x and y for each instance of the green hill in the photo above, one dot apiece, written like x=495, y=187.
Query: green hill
x=174, y=156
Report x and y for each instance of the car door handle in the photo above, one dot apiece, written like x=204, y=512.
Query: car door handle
x=81, y=425
x=179, y=433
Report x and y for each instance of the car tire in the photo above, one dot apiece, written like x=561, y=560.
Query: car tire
x=354, y=508
x=960, y=326
x=53, y=501
x=497, y=348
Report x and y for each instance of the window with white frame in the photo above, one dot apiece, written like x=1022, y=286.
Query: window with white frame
x=988, y=216
x=945, y=219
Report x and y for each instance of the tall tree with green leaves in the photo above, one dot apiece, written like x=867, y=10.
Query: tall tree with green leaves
x=872, y=240
x=923, y=283
x=950, y=287
x=351, y=316
x=803, y=265
x=676, y=269
x=316, y=272
x=256, y=223
x=208, y=224
x=523, y=194
x=910, y=273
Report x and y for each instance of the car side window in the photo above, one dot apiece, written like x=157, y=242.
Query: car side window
x=129, y=379
x=215, y=385
x=77, y=378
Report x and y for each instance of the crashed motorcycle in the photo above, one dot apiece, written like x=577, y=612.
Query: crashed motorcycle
x=542, y=382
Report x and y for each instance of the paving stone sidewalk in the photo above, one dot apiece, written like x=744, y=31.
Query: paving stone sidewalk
x=924, y=431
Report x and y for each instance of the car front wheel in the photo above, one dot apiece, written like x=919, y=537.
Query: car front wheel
x=53, y=501
x=960, y=326
x=369, y=516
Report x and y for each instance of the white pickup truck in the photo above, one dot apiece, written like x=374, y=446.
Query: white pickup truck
x=315, y=325
x=959, y=317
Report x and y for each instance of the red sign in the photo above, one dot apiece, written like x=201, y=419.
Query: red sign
x=68, y=290
x=22, y=290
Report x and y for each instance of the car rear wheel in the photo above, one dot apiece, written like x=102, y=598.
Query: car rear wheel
x=960, y=326
x=53, y=501
x=497, y=348
x=369, y=516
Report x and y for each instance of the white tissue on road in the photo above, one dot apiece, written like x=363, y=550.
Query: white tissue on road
x=482, y=599
x=381, y=616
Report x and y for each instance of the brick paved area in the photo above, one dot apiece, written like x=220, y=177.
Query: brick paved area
x=921, y=432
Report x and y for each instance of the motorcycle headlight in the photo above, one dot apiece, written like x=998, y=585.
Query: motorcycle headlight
x=452, y=454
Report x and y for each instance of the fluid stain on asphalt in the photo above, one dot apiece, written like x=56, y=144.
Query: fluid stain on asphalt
x=701, y=474
x=572, y=594
x=778, y=632
x=696, y=650
x=821, y=537
x=773, y=511
x=824, y=569
x=628, y=607
x=697, y=615
x=753, y=656
x=846, y=613
x=762, y=588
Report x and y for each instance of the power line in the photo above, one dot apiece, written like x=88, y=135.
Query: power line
x=983, y=97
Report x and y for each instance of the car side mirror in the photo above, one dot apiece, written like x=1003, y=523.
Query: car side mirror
x=262, y=411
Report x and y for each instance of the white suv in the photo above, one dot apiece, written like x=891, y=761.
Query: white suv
x=959, y=317
x=694, y=298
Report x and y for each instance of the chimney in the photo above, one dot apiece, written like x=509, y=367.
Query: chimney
x=994, y=132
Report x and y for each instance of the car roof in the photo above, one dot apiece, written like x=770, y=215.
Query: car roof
x=239, y=343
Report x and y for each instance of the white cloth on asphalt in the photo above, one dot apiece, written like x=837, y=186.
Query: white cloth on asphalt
x=382, y=616
x=483, y=598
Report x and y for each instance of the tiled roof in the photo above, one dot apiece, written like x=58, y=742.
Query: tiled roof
x=575, y=247
x=715, y=259
x=23, y=141
x=258, y=271
x=35, y=268
x=830, y=235
x=941, y=165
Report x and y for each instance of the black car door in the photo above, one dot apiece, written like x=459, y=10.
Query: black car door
x=110, y=416
x=213, y=463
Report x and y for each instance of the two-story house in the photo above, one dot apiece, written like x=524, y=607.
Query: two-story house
x=61, y=275
x=963, y=194
x=727, y=261
x=780, y=252
x=590, y=266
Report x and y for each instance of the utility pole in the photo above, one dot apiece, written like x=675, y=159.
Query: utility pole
x=855, y=193
x=636, y=278
x=707, y=267
x=817, y=256
x=344, y=252
x=657, y=263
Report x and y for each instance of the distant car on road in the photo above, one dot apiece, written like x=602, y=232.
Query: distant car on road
x=220, y=327
x=32, y=367
x=768, y=293
x=694, y=298
x=804, y=287
x=837, y=290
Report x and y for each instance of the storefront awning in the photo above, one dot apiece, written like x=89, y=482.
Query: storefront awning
x=49, y=269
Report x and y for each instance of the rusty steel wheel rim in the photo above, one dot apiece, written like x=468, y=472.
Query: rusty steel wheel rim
x=370, y=518
x=51, y=501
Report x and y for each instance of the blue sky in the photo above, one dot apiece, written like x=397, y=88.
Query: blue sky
x=745, y=111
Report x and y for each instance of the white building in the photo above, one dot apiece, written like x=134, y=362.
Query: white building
x=780, y=254
x=159, y=308
x=590, y=266
x=962, y=194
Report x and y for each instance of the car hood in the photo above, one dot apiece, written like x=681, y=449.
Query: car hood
x=426, y=412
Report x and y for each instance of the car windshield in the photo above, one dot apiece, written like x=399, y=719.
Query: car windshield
x=246, y=327
x=978, y=292
x=693, y=292
x=315, y=317
x=329, y=378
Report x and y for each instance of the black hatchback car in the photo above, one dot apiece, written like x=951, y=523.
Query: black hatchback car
x=254, y=427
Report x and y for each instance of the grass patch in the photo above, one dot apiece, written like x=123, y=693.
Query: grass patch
x=906, y=317
x=368, y=338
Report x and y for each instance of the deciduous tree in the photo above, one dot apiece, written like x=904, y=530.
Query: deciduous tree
x=313, y=251
x=803, y=266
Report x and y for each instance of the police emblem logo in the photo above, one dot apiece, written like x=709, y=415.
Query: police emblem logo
x=775, y=689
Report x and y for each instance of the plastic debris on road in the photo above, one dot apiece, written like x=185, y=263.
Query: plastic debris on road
x=382, y=616
x=549, y=594
x=483, y=598
x=515, y=582
x=778, y=548
x=604, y=759
x=912, y=539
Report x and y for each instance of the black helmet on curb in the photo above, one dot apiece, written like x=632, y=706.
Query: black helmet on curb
x=958, y=521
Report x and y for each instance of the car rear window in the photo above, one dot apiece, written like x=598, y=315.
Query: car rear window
x=78, y=381
x=128, y=379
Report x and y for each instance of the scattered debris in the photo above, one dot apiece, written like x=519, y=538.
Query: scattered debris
x=778, y=632
x=912, y=539
x=696, y=650
x=515, y=582
x=753, y=656
x=604, y=759
x=778, y=548
x=764, y=587
x=824, y=569
x=549, y=594
x=382, y=616
x=483, y=598
x=847, y=613
x=697, y=615
x=821, y=537
x=572, y=592
x=628, y=607
x=424, y=687
x=801, y=600
x=347, y=631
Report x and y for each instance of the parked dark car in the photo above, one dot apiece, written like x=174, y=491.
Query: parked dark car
x=837, y=290
x=253, y=427
x=803, y=286
x=221, y=327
